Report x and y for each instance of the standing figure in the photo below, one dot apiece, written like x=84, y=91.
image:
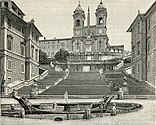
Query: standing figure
x=113, y=110
x=66, y=97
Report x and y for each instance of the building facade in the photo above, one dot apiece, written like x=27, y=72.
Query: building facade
x=143, y=32
x=89, y=47
x=18, y=61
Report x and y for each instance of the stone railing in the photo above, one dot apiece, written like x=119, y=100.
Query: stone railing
x=150, y=86
x=44, y=74
x=131, y=76
x=119, y=65
x=85, y=62
x=138, y=81
x=19, y=84
x=32, y=80
x=94, y=97
x=16, y=85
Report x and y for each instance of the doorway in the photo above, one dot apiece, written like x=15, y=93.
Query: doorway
x=86, y=69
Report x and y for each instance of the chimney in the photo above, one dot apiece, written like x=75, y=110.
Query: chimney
x=32, y=20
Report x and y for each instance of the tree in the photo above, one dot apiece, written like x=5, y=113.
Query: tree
x=43, y=58
x=61, y=55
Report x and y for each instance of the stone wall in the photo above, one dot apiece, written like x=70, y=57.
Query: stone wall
x=15, y=72
x=151, y=54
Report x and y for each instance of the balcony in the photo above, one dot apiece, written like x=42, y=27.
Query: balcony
x=85, y=62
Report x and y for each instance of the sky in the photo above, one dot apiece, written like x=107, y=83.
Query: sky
x=54, y=17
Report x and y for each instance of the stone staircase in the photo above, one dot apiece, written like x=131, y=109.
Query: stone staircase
x=136, y=87
x=80, y=83
x=51, y=79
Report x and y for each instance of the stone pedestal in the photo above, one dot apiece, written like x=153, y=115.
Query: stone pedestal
x=22, y=113
x=125, y=86
x=54, y=105
x=120, y=94
x=68, y=116
x=87, y=113
x=14, y=93
x=6, y=89
x=12, y=107
x=113, y=110
x=125, y=90
x=32, y=94
x=34, y=90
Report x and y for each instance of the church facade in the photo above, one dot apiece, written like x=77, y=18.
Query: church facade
x=89, y=47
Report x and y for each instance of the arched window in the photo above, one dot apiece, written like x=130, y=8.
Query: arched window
x=77, y=45
x=72, y=45
x=100, y=45
x=77, y=22
x=100, y=20
x=9, y=42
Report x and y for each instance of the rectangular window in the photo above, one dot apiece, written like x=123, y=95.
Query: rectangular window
x=32, y=35
x=138, y=67
x=36, y=69
x=148, y=45
x=23, y=31
x=148, y=23
x=14, y=9
x=32, y=51
x=138, y=28
x=100, y=45
x=77, y=45
x=18, y=27
x=138, y=48
x=133, y=52
x=9, y=44
x=36, y=38
x=6, y=4
x=148, y=65
x=36, y=54
x=9, y=66
x=22, y=68
x=133, y=34
x=22, y=49
x=9, y=23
